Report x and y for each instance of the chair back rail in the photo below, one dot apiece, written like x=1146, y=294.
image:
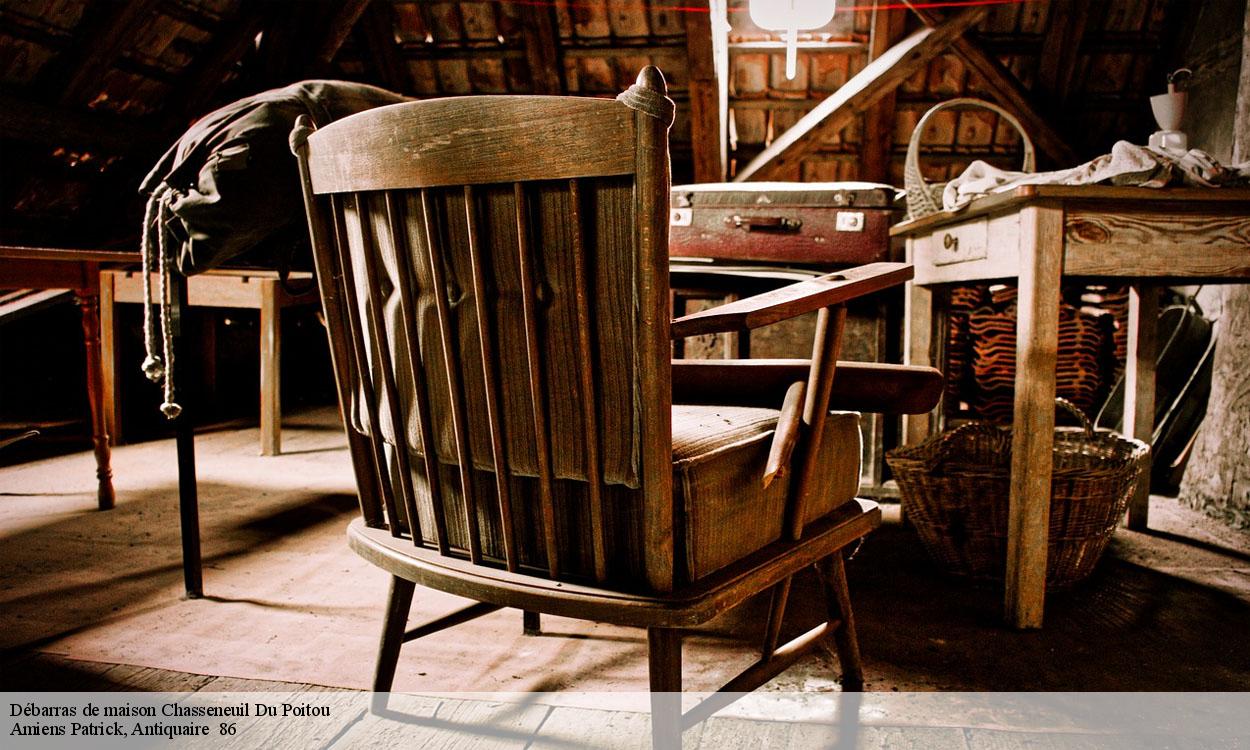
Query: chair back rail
x=493, y=272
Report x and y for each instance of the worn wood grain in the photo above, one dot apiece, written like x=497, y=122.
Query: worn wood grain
x=787, y=433
x=918, y=351
x=322, y=235
x=1037, y=331
x=874, y=166
x=270, y=374
x=398, y=216
x=652, y=182
x=705, y=108
x=1078, y=198
x=356, y=340
x=857, y=386
x=486, y=342
x=448, y=142
x=437, y=258
x=827, y=345
x=587, y=371
x=693, y=604
x=1139, y=386
x=793, y=300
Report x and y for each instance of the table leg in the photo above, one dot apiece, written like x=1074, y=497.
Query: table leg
x=89, y=304
x=677, y=301
x=1033, y=427
x=108, y=359
x=270, y=373
x=1139, y=386
x=184, y=439
x=918, y=350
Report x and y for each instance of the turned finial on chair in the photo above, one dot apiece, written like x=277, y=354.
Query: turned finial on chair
x=649, y=95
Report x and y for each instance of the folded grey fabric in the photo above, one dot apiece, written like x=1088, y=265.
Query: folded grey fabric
x=1127, y=165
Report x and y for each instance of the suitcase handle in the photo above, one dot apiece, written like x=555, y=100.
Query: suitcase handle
x=765, y=223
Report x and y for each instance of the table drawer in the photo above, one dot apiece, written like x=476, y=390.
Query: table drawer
x=960, y=244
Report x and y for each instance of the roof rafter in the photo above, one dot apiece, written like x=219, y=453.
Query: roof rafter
x=878, y=78
x=1007, y=89
x=52, y=125
x=542, y=53
x=337, y=30
x=705, y=95
x=101, y=48
x=1068, y=19
x=888, y=27
x=377, y=29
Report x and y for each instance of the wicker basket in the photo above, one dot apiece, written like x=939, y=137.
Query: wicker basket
x=955, y=488
x=924, y=199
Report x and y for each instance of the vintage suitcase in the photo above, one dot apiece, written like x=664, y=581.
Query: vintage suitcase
x=820, y=223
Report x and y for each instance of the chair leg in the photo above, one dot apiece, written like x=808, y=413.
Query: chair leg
x=664, y=666
x=838, y=601
x=399, y=602
x=531, y=622
x=776, y=613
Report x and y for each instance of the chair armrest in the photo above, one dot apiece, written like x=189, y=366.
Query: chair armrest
x=857, y=386
x=793, y=300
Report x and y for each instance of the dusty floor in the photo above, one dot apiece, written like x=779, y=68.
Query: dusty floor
x=1166, y=610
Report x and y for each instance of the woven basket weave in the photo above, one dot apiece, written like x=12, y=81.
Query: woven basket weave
x=924, y=199
x=955, y=489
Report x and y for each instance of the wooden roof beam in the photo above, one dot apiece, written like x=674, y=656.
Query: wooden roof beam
x=196, y=90
x=877, y=79
x=1062, y=44
x=377, y=30
x=31, y=122
x=100, y=48
x=707, y=104
x=542, y=48
x=887, y=28
x=1008, y=90
x=337, y=30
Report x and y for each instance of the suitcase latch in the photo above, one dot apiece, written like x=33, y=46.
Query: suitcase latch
x=849, y=221
x=764, y=223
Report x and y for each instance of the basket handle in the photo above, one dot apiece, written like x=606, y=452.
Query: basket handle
x=1075, y=411
x=948, y=440
x=911, y=166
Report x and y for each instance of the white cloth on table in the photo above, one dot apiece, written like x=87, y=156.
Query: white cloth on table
x=1127, y=165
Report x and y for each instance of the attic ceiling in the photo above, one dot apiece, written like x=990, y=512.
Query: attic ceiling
x=92, y=91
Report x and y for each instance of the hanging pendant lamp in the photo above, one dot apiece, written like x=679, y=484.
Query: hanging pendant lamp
x=789, y=16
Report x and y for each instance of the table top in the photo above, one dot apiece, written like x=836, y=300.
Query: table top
x=1232, y=199
x=76, y=255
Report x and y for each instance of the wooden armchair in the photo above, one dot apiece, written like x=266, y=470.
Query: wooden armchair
x=494, y=273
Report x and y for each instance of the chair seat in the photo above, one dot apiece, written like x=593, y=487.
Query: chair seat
x=692, y=605
x=719, y=453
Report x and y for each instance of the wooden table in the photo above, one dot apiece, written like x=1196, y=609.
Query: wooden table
x=79, y=271
x=1037, y=236
x=256, y=289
